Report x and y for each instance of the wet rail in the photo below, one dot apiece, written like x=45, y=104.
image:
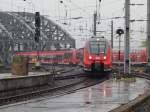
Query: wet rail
x=79, y=83
x=74, y=82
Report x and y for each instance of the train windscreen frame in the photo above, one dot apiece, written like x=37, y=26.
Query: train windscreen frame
x=97, y=47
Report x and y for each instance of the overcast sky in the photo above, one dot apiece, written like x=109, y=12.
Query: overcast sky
x=81, y=29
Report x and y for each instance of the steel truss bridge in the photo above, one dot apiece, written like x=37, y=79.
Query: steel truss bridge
x=17, y=34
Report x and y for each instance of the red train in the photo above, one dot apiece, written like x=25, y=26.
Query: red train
x=136, y=56
x=97, y=55
x=59, y=57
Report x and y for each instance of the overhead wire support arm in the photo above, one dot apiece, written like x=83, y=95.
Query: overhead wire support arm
x=136, y=4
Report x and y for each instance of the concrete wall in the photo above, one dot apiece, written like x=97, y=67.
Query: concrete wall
x=24, y=81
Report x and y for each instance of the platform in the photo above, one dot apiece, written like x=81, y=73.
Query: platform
x=5, y=75
x=100, y=98
x=9, y=75
x=14, y=82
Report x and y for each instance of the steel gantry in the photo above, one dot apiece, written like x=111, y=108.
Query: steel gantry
x=17, y=34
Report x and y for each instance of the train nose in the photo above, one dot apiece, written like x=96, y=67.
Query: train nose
x=97, y=66
x=99, y=58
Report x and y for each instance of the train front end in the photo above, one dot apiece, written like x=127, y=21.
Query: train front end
x=97, y=55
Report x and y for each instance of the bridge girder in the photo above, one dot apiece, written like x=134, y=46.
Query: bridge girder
x=17, y=34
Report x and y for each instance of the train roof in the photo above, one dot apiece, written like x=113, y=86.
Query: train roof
x=95, y=38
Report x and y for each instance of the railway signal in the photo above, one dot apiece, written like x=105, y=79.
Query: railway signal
x=119, y=32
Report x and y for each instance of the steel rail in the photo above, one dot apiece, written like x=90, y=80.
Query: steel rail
x=42, y=92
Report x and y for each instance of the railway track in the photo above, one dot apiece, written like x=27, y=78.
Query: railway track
x=141, y=75
x=29, y=95
x=75, y=82
x=64, y=73
x=134, y=73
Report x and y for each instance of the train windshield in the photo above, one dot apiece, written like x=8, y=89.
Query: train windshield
x=97, y=47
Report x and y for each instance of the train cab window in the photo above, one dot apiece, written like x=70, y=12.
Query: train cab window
x=97, y=47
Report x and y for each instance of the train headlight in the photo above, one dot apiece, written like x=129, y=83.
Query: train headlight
x=104, y=57
x=90, y=57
